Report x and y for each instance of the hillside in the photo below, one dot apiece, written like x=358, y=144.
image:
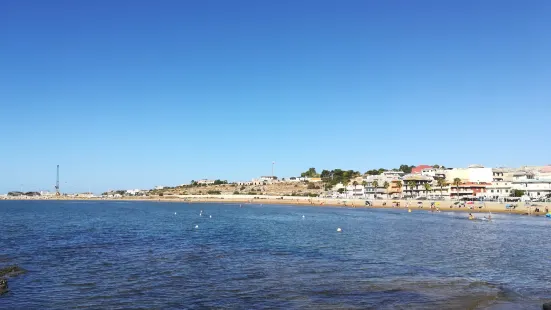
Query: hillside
x=277, y=189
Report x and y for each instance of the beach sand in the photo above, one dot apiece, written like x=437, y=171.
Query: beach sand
x=414, y=205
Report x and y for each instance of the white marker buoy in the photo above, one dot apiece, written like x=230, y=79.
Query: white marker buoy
x=303, y=216
x=339, y=229
x=210, y=216
x=196, y=226
x=174, y=213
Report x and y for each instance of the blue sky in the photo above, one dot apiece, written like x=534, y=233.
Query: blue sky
x=133, y=94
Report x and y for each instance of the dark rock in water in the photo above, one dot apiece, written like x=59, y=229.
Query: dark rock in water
x=3, y=286
x=11, y=271
x=547, y=306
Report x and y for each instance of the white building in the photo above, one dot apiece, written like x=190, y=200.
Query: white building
x=393, y=174
x=473, y=174
x=205, y=181
x=355, y=191
x=498, y=190
x=533, y=188
x=159, y=187
x=133, y=192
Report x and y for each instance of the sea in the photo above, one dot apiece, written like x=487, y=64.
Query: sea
x=156, y=255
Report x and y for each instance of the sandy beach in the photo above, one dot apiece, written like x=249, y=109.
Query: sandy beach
x=414, y=205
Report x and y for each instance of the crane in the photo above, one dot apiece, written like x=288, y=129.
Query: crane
x=57, y=183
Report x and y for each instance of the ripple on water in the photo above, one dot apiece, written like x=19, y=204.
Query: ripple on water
x=105, y=255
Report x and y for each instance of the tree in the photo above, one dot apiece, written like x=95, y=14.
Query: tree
x=427, y=188
x=399, y=185
x=325, y=174
x=517, y=193
x=411, y=184
x=441, y=183
x=219, y=182
x=457, y=182
x=340, y=190
x=386, y=185
x=406, y=168
x=375, y=185
x=311, y=173
x=436, y=166
x=364, y=183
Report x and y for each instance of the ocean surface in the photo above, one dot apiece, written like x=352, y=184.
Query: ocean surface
x=148, y=255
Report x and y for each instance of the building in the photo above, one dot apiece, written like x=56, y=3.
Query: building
x=472, y=174
x=133, y=192
x=533, y=188
x=468, y=190
x=391, y=174
x=205, y=181
x=521, y=175
x=394, y=189
x=419, y=169
x=416, y=185
x=355, y=191
x=498, y=190
x=159, y=187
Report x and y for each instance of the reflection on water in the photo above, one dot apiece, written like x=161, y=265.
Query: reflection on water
x=121, y=255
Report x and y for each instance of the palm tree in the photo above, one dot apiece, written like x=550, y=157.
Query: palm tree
x=441, y=183
x=411, y=184
x=427, y=189
x=345, y=183
x=399, y=185
x=364, y=184
x=457, y=182
x=354, y=183
x=386, y=185
x=375, y=184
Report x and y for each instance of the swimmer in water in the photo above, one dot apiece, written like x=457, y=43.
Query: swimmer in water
x=471, y=217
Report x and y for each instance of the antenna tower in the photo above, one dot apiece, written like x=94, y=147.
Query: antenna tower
x=57, y=183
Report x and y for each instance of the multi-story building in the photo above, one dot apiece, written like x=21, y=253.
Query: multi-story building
x=474, y=173
x=498, y=190
x=469, y=190
x=414, y=185
x=533, y=188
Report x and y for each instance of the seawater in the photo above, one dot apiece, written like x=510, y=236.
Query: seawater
x=151, y=255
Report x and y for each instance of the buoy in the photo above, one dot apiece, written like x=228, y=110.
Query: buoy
x=196, y=226
x=174, y=213
x=339, y=229
x=303, y=216
x=210, y=216
x=409, y=210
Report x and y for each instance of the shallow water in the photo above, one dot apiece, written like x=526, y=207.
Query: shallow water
x=143, y=255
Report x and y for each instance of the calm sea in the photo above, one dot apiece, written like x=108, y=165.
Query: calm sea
x=151, y=256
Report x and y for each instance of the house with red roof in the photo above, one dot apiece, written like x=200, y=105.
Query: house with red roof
x=419, y=169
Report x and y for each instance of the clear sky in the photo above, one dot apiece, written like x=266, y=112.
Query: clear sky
x=133, y=94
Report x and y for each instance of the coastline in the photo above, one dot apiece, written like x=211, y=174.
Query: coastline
x=444, y=206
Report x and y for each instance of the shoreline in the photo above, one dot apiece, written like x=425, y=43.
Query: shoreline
x=444, y=206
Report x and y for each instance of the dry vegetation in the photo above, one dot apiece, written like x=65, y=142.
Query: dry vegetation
x=277, y=189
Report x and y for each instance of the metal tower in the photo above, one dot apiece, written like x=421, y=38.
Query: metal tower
x=57, y=183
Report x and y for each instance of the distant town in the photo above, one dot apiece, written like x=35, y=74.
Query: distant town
x=422, y=182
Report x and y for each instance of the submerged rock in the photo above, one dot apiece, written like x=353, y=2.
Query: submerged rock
x=5, y=272
x=3, y=286
x=11, y=271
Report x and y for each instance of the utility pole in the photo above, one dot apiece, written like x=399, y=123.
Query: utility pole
x=57, y=183
x=273, y=163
